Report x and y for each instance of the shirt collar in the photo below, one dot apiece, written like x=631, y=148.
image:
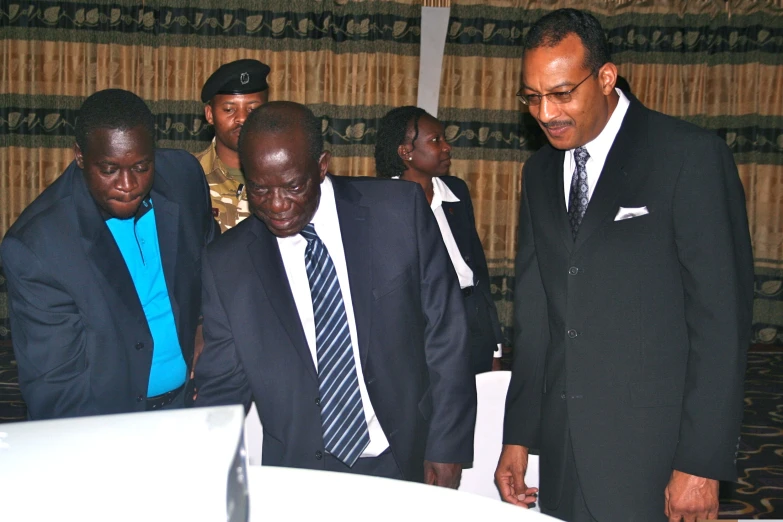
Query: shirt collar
x=440, y=193
x=327, y=208
x=599, y=147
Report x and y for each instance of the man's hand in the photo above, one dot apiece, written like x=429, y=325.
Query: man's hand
x=445, y=475
x=510, y=477
x=689, y=498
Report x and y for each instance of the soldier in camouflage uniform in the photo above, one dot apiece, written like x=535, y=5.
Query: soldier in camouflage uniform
x=230, y=94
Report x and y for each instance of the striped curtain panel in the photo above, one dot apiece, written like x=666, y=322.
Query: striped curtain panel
x=716, y=63
x=348, y=61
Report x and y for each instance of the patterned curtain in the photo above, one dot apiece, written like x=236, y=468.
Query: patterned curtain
x=716, y=63
x=348, y=61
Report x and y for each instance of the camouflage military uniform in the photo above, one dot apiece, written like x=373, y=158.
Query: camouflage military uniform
x=229, y=203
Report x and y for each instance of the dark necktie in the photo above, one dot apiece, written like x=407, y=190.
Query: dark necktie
x=342, y=415
x=578, y=197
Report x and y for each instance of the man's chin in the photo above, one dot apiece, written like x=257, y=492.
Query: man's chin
x=123, y=211
x=283, y=229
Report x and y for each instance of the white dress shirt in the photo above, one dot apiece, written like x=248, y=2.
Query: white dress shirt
x=292, y=250
x=598, y=150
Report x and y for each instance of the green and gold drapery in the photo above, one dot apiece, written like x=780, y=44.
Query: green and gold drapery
x=348, y=61
x=718, y=64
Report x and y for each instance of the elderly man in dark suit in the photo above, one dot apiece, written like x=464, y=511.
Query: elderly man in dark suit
x=104, y=270
x=633, y=297
x=347, y=326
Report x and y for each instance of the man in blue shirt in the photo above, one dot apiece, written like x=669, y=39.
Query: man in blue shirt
x=104, y=270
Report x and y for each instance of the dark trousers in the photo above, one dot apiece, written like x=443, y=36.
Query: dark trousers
x=572, y=506
x=383, y=466
x=481, y=338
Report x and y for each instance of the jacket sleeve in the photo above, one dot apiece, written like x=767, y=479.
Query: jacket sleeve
x=219, y=376
x=531, y=338
x=482, y=270
x=716, y=267
x=49, y=337
x=452, y=384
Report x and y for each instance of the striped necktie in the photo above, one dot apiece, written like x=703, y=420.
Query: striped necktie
x=342, y=415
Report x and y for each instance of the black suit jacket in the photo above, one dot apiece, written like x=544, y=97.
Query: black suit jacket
x=634, y=336
x=79, y=332
x=409, y=318
x=462, y=223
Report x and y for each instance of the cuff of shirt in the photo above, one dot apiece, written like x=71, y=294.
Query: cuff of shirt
x=498, y=351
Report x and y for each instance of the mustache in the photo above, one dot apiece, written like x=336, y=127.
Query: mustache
x=555, y=124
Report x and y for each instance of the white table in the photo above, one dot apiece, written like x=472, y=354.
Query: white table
x=295, y=494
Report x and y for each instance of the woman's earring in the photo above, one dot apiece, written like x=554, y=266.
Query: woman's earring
x=410, y=158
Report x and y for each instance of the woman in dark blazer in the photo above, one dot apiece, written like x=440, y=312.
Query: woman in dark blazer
x=411, y=146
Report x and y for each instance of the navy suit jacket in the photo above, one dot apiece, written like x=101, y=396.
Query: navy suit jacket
x=630, y=341
x=79, y=331
x=409, y=317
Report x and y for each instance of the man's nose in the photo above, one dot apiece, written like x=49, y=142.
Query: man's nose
x=547, y=110
x=278, y=203
x=242, y=115
x=126, y=181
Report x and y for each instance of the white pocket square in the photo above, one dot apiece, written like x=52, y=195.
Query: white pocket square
x=630, y=212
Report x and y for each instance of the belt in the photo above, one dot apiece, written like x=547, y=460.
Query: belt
x=467, y=291
x=162, y=400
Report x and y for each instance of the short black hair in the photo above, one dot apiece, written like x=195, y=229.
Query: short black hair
x=112, y=109
x=281, y=116
x=392, y=131
x=553, y=28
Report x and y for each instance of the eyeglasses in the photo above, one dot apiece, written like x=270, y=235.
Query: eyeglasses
x=555, y=97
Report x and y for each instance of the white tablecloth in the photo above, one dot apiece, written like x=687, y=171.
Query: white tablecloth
x=295, y=494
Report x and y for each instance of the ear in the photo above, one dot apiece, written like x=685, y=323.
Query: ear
x=403, y=153
x=77, y=153
x=208, y=113
x=323, y=164
x=607, y=75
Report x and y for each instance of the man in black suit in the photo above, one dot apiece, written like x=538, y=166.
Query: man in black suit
x=634, y=283
x=395, y=307
x=104, y=270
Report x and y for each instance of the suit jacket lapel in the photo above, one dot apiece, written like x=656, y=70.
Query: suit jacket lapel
x=102, y=249
x=457, y=217
x=616, y=178
x=553, y=179
x=268, y=263
x=355, y=231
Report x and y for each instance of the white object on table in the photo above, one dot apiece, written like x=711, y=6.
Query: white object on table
x=152, y=466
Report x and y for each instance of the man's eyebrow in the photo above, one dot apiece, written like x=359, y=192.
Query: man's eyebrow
x=558, y=86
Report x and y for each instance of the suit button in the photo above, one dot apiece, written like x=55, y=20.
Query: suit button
x=562, y=395
x=140, y=398
x=317, y=401
x=573, y=270
x=319, y=455
x=572, y=334
x=139, y=345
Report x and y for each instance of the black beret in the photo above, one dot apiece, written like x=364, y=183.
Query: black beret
x=239, y=77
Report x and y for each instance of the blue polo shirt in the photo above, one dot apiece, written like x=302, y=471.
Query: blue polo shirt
x=137, y=239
